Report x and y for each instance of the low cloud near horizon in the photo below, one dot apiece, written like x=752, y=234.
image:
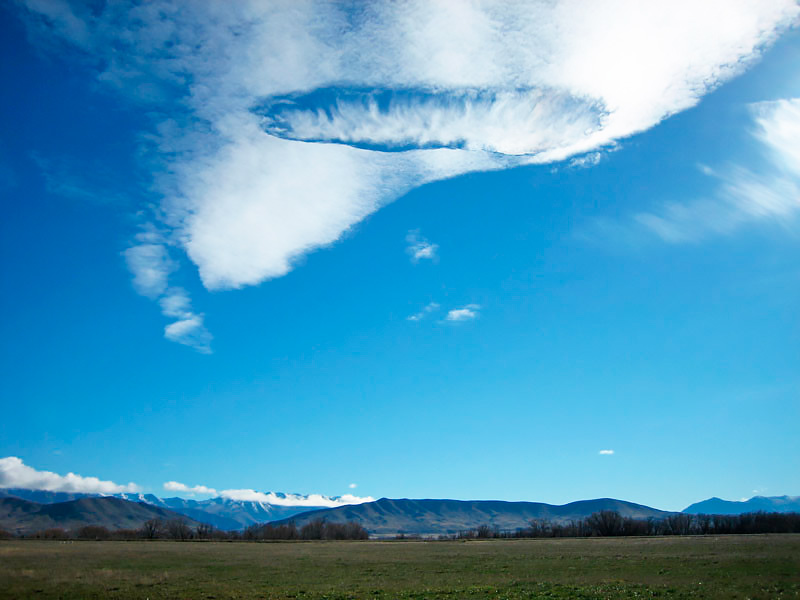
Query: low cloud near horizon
x=175, y=486
x=279, y=127
x=273, y=498
x=294, y=499
x=14, y=473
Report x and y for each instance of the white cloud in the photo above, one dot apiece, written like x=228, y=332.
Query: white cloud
x=420, y=248
x=743, y=196
x=353, y=486
x=175, y=486
x=294, y=499
x=465, y=313
x=14, y=473
x=460, y=86
x=606, y=452
x=428, y=309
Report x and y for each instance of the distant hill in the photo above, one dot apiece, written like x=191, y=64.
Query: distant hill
x=717, y=506
x=24, y=517
x=430, y=517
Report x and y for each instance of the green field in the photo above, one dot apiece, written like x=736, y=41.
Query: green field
x=760, y=566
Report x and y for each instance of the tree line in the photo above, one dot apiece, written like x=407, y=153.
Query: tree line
x=318, y=529
x=600, y=524
x=611, y=523
x=181, y=530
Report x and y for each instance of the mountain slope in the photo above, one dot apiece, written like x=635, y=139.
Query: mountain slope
x=718, y=506
x=24, y=517
x=428, y=517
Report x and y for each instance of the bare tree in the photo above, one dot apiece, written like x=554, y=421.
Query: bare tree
x=484, y=531
x=179, y=529
x=605, y=523
x=203, y=531
x=678, y=524
x=152, y=529
x=313, y=530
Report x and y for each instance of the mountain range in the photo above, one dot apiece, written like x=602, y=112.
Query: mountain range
x=24, y=517
x=222, y=513
x=382, y=517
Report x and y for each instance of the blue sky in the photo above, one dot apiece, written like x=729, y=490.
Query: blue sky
x=255, y=249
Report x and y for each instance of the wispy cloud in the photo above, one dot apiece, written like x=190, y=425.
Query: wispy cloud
x=151, y=265
x=175, y=486
x=465, y=313
x=84, y=181
x=447, y=88
x=427, y=310
x=587, y=160
x=606, y=452
x=353, y=486
x=420, y=248
x=14, y=473
x=743, y=196
x=188, y=329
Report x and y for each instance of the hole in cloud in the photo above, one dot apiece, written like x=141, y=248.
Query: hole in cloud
x=505, y=121
x=441, y=89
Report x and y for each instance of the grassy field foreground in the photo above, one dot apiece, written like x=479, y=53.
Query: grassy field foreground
x=760, y=566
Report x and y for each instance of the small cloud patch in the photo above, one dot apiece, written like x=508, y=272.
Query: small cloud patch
x=176, y=486
x=420, y=248
x=606, y=452
x=432, y=307
x=465, y=313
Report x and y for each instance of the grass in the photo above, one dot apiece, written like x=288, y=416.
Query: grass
x=759, y=566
